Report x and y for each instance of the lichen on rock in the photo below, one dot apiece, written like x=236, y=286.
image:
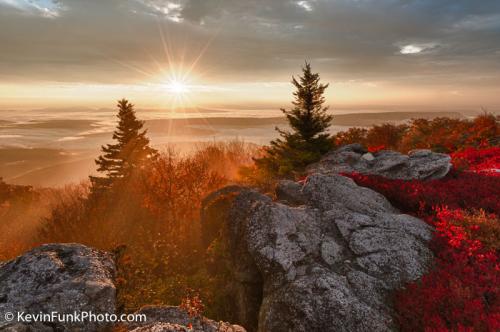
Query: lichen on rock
x=60, y=278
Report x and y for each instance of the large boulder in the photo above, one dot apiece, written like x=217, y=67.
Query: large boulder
x=325, y=257
x=73, y=278
x=172, y=319
x=418, y=164
x=61, y=278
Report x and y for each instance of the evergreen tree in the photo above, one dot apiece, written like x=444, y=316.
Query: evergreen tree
x=130, y=151
x=309, y=121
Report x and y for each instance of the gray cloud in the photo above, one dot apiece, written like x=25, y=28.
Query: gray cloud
x=116, y=40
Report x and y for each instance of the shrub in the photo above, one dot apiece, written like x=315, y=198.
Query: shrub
x=457, y=191
x=478, y=160
x=386, y=135
x=439, y=134
x=461, y=292
x=351, y=135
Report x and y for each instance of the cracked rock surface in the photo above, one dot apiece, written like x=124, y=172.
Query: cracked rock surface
x=418, y=164
x=60, y=278
x=326, y=255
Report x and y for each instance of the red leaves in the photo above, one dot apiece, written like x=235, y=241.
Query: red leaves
x=462, y=290
x=192, y=304
x=486, y=160
x=466, y=190
x=377, y=148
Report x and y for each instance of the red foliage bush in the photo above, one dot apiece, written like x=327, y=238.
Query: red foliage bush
x=462, y=290
x=376, y=148
x=456, y=191
x=485, y=160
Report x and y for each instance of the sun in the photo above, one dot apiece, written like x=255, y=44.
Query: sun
x=177, y=87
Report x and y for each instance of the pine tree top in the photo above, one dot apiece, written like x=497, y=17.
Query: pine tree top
x=130, y=151
x=309, y=93
x=308, y=139
x=308, y=118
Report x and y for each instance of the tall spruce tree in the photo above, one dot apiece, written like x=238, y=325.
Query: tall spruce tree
x=309, y=121
x=130, y=151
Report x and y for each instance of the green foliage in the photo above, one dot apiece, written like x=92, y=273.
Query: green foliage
x=130, y=151
x=308, y=141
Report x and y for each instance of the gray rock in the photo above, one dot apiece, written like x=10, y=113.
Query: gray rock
x=327, y=265
x=418, y=164
x=69, y=278
x=170, y=318
x=368, y=156
x=62, y=278
x=290, y=192
x=355, y=147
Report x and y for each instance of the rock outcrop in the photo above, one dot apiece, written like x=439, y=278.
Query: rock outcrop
x=324, y=257
x=170, y=319
x=418, y=164
x=73, y=278
x=61, y=278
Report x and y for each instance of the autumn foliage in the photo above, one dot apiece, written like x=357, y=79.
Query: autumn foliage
x=457, y=191
x=439, y=134
x=152, y=224
x=462, y=290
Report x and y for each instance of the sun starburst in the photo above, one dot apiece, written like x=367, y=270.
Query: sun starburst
x=177, y=87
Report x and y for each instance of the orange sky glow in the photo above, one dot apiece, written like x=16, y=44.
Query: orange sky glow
x=181, y=54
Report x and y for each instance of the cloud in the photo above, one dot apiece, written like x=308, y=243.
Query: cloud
x=44, y=8
x=70, y=138
x=121, y=41
x=416, y=48
x=306, y=5
x=411, y=49
x=168, y=9
x=479, y=22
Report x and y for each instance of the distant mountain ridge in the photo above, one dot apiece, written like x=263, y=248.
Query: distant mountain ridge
x=349, y=119
x=369, y=119
x=56, y=161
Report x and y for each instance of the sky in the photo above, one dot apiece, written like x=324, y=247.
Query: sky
x=242, y=53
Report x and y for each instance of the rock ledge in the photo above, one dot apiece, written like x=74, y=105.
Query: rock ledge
x=418, y=164
x=324, y=257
